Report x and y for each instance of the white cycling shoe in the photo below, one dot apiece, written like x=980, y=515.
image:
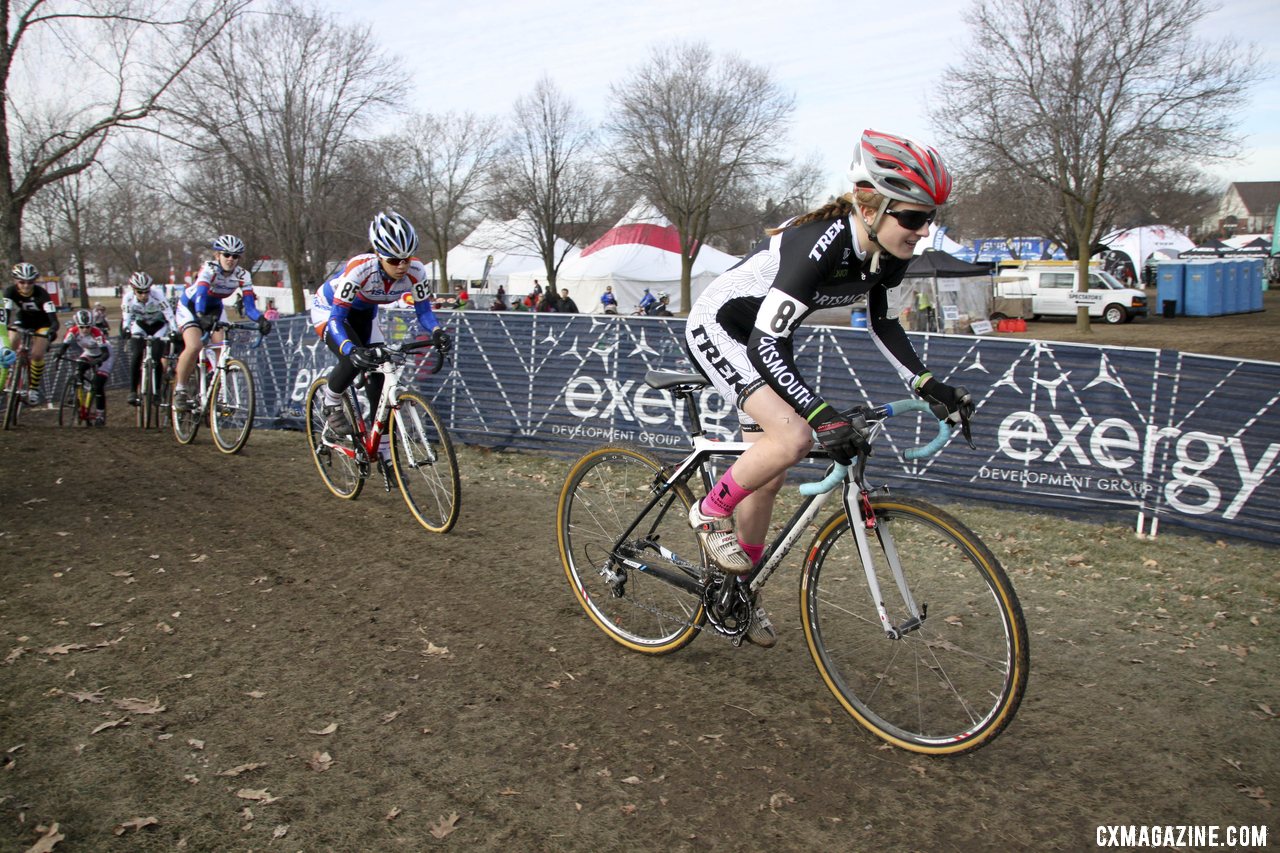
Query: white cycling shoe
x=720, y=542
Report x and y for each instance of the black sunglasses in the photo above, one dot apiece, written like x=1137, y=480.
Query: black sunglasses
x=912, y=220
x=235, y=256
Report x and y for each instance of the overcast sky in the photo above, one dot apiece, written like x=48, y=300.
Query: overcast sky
x=847, y=68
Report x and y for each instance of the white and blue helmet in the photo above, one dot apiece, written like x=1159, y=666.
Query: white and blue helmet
x=391, y=236
x=25, y=272
x=228, y=243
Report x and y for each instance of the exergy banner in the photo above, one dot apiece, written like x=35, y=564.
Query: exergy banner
x=1134, y=433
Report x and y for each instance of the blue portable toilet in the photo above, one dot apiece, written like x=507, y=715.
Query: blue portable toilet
x=1170, y=276
x=1195, y=288
x=1231, y=287
x=858, y=318
x=1257, y=282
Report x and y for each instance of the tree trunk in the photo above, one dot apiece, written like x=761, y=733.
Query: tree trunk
x=686, y=283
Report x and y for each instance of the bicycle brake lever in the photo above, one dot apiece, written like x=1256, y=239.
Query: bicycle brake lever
x=966, y=416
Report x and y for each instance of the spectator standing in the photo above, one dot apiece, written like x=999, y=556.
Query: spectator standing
x=567, y=305
x=608, y=302
x=271, y=313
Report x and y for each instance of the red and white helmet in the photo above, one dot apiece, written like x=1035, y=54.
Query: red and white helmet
x=901, y=169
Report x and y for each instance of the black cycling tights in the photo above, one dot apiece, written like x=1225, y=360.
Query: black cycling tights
x=341, y=377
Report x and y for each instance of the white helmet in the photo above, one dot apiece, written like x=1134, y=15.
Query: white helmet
x=228, y=243
x=901, y=169
x=391, y=236
x=141, y=282
x=25, y=272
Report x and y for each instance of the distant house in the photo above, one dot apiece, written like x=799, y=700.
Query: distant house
x=1247, y=207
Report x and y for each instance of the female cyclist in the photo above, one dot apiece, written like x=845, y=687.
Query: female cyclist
x=739, y=335
x=95, y=352
x=201, y=306
x=344, y=310
x=28, y=307
x=147, y=319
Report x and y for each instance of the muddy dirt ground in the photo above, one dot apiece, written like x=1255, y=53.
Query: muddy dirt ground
x=204, y=652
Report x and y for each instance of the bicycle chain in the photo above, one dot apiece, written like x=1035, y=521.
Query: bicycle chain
x=734, y=640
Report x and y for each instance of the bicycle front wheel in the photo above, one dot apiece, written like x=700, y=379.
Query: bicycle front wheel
x=949, y=685
x=146, y=395
x=17, y=381
x=68, y=405
x=186, y=422
x=232, y=407
x=606, y=492
x=335, y=456
x=425, y=464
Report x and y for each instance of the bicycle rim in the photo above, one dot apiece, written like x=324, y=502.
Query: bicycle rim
x=68, y=407
x=336, y=458
x=17, y=380
x=606, y=490
x=231, y=407
x=426, y=466
x=949, y=686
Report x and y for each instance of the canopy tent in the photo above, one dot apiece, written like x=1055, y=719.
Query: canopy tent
x=1139, y=244
x=1255, y=247
x=938, y=239
x=1213, y=247
x=509, y=244
x=642, y=251
x=935, y=281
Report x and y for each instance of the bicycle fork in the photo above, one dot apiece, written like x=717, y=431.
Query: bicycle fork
x=862, y=520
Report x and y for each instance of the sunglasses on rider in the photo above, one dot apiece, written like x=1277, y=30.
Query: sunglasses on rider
x=235, y=256
x=912, y=220
x=398, y=262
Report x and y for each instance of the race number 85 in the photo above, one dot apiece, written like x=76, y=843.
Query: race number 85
x=779, y=314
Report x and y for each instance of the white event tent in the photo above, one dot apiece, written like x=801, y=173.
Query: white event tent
x=1139, y=244
x=641, y=251
x=509, y=244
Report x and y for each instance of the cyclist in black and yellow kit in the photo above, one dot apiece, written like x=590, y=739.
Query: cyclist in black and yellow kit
x=739, y=335
x=28, y=307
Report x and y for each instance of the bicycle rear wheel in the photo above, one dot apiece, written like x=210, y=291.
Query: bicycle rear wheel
x=425, y=464
x=952, y=684
x=232, y=407
x=607, y=490
x=335, y=456
x=146, y=394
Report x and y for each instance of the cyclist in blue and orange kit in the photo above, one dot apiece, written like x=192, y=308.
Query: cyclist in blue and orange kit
x=344, y=310
x=201, y=307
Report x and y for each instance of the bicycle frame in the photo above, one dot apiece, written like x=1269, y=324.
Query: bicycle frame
x=860, y=513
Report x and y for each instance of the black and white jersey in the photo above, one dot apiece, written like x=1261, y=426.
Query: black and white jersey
x=760, y=302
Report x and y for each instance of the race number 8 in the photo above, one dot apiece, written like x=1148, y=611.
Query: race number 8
x=346, y=293
x=782, y=319
x=420, y=292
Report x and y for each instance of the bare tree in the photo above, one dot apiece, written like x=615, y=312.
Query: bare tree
x=284, y=107
x=1084, y=98
x=442, y=165
x=549, y=177
x=690, y=128
x=129, y=53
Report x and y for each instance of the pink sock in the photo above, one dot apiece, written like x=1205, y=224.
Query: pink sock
x=724, y=496
x=753, y=552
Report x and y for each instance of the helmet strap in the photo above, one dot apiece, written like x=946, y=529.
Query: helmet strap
x=873, y=237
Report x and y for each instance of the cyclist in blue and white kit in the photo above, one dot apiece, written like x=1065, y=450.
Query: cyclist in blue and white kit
x=739, y=335
x=344, y=310
x=201, y=306
x=147, y=319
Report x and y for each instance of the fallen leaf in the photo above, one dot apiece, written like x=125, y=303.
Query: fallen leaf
x=195, y=744
x=631, y=780
x=445, y=826
x=63, y=649
x=280, y=831
x=628, y=808
x=393, y=814
x=261, y=795
x=135, y=824
x=85, y=696
x=320, y=761
x=327, y=730
x=782, y=798
x=47, y=841
x=386, y=718
x=241, y=768
x=1266, y=709
x=15, y=654
x=509, y=792
x=164, y=627
x=139, y=706
x=433, y=650
x=123, y=721
x=201, y=558
x=255, y=694
x=122, y=574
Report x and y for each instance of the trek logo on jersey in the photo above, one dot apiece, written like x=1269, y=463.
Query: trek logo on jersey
x=828, y=237
x=793, y=388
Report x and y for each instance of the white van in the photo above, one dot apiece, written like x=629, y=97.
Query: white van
x=1050, y=287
